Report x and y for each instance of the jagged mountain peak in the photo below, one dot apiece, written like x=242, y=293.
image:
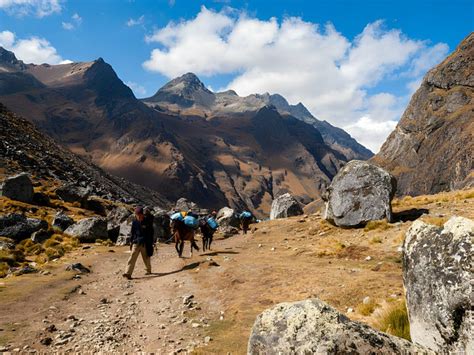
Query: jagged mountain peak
x=9, y=61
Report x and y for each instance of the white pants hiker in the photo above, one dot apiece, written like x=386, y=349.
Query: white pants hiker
x=136, y=250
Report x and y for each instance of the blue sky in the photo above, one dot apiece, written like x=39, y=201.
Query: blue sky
x=357, y=73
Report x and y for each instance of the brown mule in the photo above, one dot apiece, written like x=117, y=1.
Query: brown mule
x=181, y=234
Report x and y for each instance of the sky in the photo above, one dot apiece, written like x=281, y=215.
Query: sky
x=352, y=63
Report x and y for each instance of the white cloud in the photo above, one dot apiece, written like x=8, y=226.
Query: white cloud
x=335, y=77
x=135, y=22
x=31, y=50
x=76, y=22
x=139, y=90
x=39, y=8
x=369, y=132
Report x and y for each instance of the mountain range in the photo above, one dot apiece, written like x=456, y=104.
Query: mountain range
x=185, y=141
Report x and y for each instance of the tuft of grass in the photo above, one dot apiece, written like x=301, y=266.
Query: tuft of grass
x=437, y=221
x=4, y=267
x=379, y=225
x=394, y=320
x=366, y=309
x=376, y=240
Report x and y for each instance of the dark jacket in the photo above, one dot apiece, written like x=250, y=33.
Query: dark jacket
x=149, y=233
x=141, y=235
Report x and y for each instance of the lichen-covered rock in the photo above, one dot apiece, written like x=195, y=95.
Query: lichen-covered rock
x=437, y=273
x=227, y=217
x=62, y=221
x=18, y=188
x=7, y=243
x=359, y=193
x=19, y=227
x=285, y=206
x=313, y=327
x=89, y=229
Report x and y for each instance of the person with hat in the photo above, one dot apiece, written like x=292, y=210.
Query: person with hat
x=139, y=241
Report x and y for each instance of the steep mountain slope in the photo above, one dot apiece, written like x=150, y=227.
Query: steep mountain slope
x=241, y=160
x=24, y=148
x=187, y=95
x=432, y=147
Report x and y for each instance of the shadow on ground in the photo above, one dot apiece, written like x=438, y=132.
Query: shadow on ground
x=410, y=215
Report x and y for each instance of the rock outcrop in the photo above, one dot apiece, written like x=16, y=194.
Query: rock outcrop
x=88, y=230
x=19, y=227
x=183, y=204
x=359, y=193
x=437, y=273
x=313, y=327
x=226, y=216
x=124, y=233
x=431, y=149
x=62, y=221
x=285, y=206
x=18, y=187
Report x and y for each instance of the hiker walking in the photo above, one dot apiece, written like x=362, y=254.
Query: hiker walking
x=245, y=219
x=139, y=240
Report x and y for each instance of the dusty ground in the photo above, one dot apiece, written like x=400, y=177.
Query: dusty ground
x=283, y=260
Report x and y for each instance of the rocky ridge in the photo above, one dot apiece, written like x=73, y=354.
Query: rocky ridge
x=431, y=149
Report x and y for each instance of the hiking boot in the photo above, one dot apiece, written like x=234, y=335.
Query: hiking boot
x=148, y=273
x=127, y=276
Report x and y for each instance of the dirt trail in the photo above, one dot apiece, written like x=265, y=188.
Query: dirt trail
x=208, y=304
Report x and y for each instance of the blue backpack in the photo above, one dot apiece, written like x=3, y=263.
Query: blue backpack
x=191, y=222
x=212, y=223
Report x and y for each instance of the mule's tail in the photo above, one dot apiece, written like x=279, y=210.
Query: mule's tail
x=194, y=245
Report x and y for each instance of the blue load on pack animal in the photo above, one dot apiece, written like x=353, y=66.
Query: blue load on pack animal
x=177, y=216
x=191, y=222
x=212, y=223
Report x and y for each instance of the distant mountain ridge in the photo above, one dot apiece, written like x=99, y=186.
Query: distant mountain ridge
x=188, y=95
x=243, y=158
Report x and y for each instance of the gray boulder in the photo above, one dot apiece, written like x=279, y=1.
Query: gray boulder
x=89, y=229
x=41, y=235
x=19, y=227
x=62, y=221
x=313, y=327
x=228, y=231
x=115, y=217
x=437, y=273
x=227, y=217
x=183, y=204
x=359, y=193
x=18, y=188
x=285, y=206
x=72, y=193
x=124, y=233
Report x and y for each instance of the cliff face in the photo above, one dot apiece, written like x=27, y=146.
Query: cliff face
x=432, y=147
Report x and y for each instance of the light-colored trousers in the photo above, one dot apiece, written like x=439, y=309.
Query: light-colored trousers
x=136, y=250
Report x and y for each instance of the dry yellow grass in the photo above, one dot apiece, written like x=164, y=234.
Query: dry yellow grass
x=379, y=225
x=393, y=319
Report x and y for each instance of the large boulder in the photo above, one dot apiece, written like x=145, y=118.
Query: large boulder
x=183, y=204
x=437, y=273
x=359, y=193
x=313, y=327
x=124, y=233
x=62, y=221
x=89, y=229
x=19, y=227
x=115, y=218
x=72, y=193
x=227, y=217
x=285, y=206
x=18, y=188
x=161, y=225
